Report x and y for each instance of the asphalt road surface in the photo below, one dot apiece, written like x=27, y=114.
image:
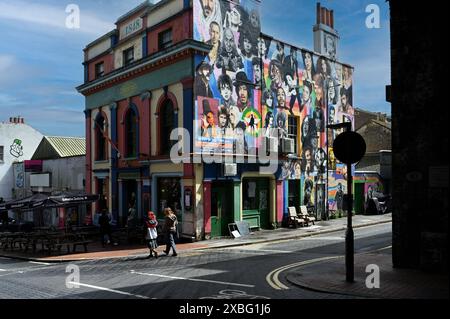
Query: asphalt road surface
x=232, y=273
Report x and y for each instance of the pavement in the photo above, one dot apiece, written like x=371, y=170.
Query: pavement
x=329, y=276
x=322, y=275
x=96, y=251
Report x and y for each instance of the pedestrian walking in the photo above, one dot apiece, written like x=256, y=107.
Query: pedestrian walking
x=170, y=231
x=105, y=228
x=152, y=234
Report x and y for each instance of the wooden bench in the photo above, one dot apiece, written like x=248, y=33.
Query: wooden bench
x=294, y=219
x=306, y=216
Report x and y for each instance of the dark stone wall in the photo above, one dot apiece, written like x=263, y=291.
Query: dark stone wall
x=419, y=134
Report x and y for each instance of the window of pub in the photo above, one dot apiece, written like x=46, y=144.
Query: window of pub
x=169, y=195
x=249, y=195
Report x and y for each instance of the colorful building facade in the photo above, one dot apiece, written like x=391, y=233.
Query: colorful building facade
x=246, y=101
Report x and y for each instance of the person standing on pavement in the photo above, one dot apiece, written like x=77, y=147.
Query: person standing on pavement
x=170, y=231
x=105, y=228
x=152, y=234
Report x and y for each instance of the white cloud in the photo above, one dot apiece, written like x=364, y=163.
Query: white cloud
x=53, y=17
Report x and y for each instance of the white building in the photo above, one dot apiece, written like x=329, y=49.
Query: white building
x=59, y=164
x=18, y=142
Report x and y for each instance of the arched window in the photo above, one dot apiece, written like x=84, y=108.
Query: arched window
x=100, y=139
x=166, y=126
x=131, y=134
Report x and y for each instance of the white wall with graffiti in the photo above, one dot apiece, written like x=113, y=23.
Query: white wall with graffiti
x=18, y=141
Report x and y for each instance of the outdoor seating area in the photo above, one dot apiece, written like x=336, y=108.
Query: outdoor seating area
x=304, y=217
x=45, y=240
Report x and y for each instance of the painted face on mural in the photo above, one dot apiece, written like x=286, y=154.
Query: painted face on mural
x=344, y=100
x=257, y=73
x=305, y=126
x=331, y=92
x=222, y=120
x=229, y=41
x=275, y=74
x=247, y=46
x=225, y=91
x=308, y=61
x=208, y=7
x=261, y=47
x=281, y=98
x=210, y=118
x=235, y=17
x=297, y=170
x=254, y=19
x=214, y=33
x=243, y=94
x=306, y=94
x=323, y=66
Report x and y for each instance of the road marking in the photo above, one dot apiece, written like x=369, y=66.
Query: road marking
x=273, y=280
x=12, y=273
x=3, y=270
x=272, y=277
x=109, y=290
x=385, y=248
x=273, y=251
x=191, y=279
x=323, y=238
x=39, y=263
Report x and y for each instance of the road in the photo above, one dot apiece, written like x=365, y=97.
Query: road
x=239, y=272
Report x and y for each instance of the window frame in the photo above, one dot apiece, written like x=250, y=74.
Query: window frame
x=131, y=133
x=294, y=128
x=2, y=153
x=162, y=42
x=101, y=153
x=127, y=61
x=165, y=143
x=99, y=74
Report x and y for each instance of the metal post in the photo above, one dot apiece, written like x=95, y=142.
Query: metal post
x=349, y=236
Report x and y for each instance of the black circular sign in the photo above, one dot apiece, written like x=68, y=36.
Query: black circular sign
x=349, y=147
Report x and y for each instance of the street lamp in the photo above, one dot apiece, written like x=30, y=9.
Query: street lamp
x=349, y=147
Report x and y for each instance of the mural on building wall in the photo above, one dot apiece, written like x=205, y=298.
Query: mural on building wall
x=227, y=108
x=16, y=148
x=249, y=82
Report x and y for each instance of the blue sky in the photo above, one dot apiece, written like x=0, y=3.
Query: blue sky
x=40, y=59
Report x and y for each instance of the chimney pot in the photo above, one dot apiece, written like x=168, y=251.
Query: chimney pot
x=10, y=120
x=322, y=15
x=332, y=19
x=318, y=13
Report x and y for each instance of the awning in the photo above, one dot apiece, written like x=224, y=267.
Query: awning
x=40, y=200
x=73, y=198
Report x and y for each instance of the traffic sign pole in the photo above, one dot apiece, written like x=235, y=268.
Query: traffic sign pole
x=349, y=148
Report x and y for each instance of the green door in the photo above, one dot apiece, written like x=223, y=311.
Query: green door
x=216, y=213
x=256, y=202
x=263, y=200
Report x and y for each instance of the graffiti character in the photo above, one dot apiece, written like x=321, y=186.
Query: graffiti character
x=16, y=149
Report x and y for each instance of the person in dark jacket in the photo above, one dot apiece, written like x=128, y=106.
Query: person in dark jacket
x=105, y=228
x=170, y=231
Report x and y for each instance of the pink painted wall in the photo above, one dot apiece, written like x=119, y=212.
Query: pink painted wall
x=280, y=196
x=207, y=205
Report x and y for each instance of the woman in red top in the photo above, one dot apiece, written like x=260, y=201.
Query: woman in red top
x=152, y=234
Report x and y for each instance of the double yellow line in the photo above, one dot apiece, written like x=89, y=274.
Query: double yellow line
x=272, y=277
x=274, y=282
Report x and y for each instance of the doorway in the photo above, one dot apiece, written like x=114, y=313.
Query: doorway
x=222, y=210
x=255, y=202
